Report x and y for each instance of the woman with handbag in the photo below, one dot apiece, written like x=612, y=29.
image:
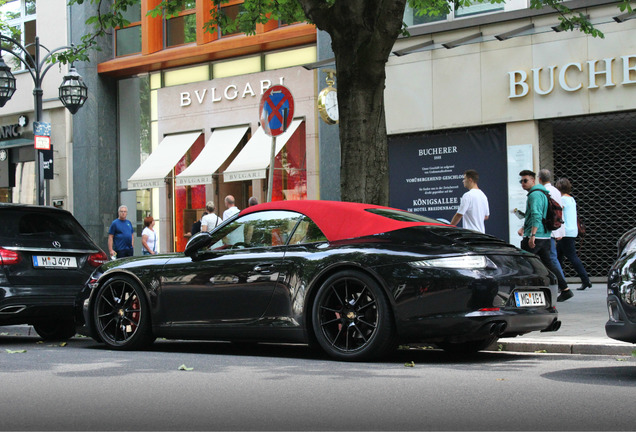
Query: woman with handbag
x=566, y=247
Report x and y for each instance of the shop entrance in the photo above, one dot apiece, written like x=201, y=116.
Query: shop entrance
x=597, y=154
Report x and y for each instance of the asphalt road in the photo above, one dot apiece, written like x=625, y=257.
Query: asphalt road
x=82, y=386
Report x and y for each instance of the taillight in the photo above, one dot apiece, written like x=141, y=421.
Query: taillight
x=9, y=257
x=98, y=259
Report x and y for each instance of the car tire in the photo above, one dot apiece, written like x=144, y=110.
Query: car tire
x=121, y=315
x=55, y=330
x=352, y=318
x=468, y=347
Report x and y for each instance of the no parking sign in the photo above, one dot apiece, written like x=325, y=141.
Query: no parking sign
x=277, y=110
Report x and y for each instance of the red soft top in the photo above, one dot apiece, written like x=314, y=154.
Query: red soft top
x=340, y=220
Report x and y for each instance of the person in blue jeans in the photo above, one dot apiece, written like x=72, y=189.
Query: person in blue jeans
x=566, y=247
x=121, y=238
x=536, y=239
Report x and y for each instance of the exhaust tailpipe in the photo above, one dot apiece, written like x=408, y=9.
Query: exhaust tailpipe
x=556, y=325
x=12, y=309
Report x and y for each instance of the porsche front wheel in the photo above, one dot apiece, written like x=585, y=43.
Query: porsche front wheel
x=121, y=315
x=351, y=317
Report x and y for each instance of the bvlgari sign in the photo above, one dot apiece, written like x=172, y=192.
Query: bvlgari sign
x=229, y=93
x=574, y=76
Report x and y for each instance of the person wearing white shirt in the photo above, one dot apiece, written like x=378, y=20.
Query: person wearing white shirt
x=231, y=208
x=210, y=220
x=473, y=209
x=149, y=237
x=545, y=177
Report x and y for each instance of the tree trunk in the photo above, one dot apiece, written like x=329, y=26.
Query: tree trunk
x=362, y=33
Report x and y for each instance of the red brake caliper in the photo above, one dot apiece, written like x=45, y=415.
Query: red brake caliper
x=135, y=315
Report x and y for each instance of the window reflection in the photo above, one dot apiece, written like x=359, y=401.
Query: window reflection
x=272, y=228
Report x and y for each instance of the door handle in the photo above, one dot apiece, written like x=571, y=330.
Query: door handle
x=264, y=268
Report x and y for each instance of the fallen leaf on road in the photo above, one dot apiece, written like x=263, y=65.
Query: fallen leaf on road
x=541, y=351
x=15, y=351
x=4, y=334
x=500, y=347
x=63, y=344
x=621, y=359
x=412, y=364
x=185, y=368
x=501, y=379
x=634, y=353
x=39, y=342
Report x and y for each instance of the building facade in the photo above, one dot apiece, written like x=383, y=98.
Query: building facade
x=179, y=124
x=507, y=90
x=17, y=153
x=497, y=88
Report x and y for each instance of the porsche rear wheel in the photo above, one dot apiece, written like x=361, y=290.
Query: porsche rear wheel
x=121, y=315
x=352, y=318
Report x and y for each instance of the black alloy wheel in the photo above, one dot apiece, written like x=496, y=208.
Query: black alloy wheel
x=351, y=317
x=55, y=330
x=121, y=314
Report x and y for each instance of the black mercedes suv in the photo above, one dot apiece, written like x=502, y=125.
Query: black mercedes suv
x=46, y=257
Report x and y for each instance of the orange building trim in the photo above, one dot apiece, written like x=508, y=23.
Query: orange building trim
x=240, y=45
x=151, y=29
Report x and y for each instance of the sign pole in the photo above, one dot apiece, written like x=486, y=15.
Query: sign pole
x=272, y=160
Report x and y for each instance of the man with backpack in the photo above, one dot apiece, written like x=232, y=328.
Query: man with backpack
x=536, y=235
x=545, y=177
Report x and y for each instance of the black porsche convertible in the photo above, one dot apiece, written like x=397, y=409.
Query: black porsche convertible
x=352, y=279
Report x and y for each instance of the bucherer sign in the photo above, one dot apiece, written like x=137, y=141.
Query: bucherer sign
x=574, y=76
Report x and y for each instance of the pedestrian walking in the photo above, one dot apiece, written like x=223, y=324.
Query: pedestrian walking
x=545, y=177
x=473, y=209
x=121, y=235
x=149, y=237
x=536, y=238
x=210, y=220
x=566, y=248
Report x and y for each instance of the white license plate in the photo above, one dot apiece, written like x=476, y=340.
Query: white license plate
x=54, y=261
x=529, y=298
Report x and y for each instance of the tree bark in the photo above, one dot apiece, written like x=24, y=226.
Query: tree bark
x=363, y=33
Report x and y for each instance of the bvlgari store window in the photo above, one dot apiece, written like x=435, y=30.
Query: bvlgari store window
x=183, y=145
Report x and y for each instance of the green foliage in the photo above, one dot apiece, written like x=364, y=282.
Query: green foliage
x=109, y=16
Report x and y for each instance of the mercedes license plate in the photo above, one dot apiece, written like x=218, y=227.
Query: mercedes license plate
x=529, y=298
x=54, y=261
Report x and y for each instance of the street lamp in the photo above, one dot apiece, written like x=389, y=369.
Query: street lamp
x=73, y=91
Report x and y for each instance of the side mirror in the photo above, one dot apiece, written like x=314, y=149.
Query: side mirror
x=196, y=243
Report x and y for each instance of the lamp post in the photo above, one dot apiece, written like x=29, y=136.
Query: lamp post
x=73, y=92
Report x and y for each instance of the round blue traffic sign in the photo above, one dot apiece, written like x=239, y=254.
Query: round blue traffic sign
x=277, y=110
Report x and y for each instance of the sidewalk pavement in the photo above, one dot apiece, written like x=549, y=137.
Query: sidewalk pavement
x=582, y=331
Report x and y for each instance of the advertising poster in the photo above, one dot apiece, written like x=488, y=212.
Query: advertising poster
x=426, y=173
x=519, y=159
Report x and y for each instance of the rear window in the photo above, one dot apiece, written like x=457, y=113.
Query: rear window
x=17, y=225
x=401, y=216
